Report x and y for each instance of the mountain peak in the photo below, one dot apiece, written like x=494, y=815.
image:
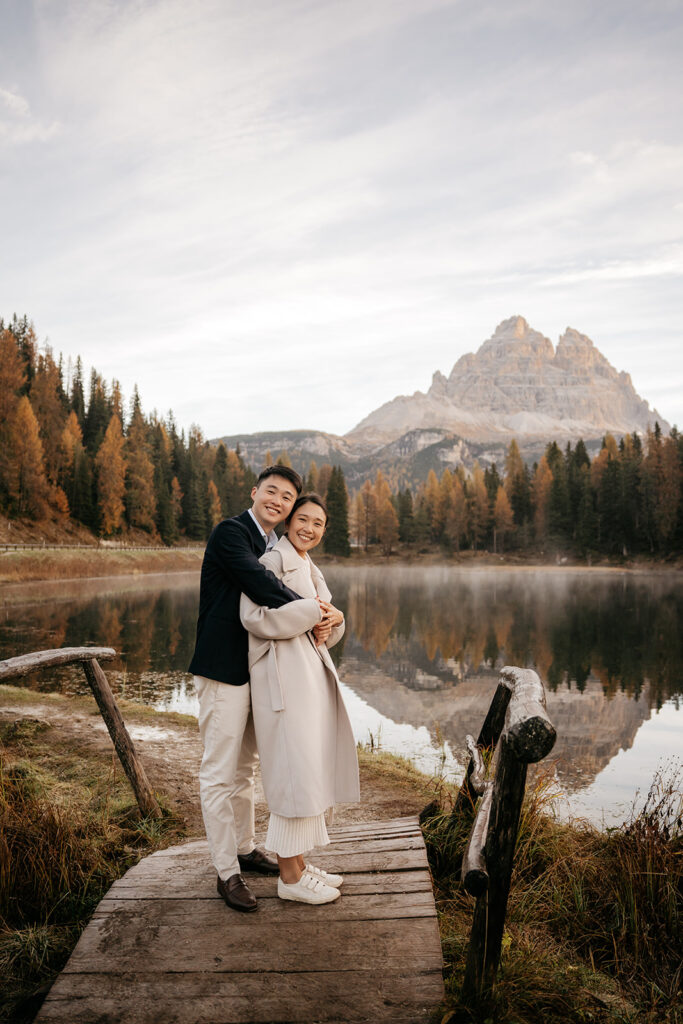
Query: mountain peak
x=518, y=385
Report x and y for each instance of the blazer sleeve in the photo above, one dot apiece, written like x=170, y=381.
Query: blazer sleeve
x=233, y=553
x=283, y=623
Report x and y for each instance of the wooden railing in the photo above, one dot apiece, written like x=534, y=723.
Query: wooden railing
x=89, y=658
x=516, y=732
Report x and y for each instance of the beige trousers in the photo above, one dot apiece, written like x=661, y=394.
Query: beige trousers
x=226, y=775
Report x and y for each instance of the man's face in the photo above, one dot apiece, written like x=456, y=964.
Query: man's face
x=273, y=500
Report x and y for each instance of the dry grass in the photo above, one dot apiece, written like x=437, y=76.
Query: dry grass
x=594, y=924
x=52, y=564
x=65, y=835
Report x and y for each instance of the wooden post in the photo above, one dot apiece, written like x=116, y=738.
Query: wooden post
x=528, y=736
x=488, y=737
x=123, y=744
x=488, y=923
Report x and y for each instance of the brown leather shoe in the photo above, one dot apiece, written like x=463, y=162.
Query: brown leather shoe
x=258, y=860
x=237, y=893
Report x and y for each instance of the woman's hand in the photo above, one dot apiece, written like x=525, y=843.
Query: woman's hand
x=331, y=617
x=330, y=613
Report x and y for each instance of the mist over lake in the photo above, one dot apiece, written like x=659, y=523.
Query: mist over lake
x=420, y=659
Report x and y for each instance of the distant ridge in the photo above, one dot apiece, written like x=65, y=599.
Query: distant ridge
x=516, y=385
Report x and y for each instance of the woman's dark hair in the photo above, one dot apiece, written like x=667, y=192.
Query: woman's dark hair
x=285, y=471
x=303, y=500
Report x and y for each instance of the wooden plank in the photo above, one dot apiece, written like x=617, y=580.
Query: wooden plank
x=245, y=998
x=211, y=912
x=15, y=668
x=397, y=945
x=203, y=886
x=391, y=860
x=371, y=842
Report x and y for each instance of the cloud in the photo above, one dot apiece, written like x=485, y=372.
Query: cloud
x=367, y=187
x=18, y=126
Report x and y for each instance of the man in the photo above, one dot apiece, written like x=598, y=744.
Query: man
x=221, y=677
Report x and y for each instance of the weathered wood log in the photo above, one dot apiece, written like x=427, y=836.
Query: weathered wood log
x=478, y=776
x=526, y=722
x=489, y=914
x=123, y=744
x=474, y=874
x=489, y=735
x=15, y=668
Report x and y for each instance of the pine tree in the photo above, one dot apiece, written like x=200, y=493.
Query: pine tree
x=161, y=460
x=214, y=504
x=387, y=526
x=477, y=506
x=140, y=501
x=220, y=476
x=31, y=490
x=311, y=481
x=518, y=487
x=76, y=473
x=176, y=510
x=324, y=475
x=503, y=519
x=111, y=478
x=455, y=514
x=12, y=381
x=47, y=400
x=337, y=533
x=540, y=489
x=78, y=394
x=406, y=521
x=98, y=415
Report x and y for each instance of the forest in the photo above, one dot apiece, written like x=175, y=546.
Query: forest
x=116, y=470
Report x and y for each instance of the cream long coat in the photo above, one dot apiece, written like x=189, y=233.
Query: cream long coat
x=304, y=736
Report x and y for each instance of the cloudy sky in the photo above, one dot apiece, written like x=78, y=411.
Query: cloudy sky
x=281, y=213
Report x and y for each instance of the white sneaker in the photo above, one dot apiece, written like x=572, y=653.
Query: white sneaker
x=309, y=889
x=334, y=880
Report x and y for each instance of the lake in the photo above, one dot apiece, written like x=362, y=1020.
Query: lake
x=419, y=662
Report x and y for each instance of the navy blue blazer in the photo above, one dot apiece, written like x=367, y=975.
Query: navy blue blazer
x=231, y=566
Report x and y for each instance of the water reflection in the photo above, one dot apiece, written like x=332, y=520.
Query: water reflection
x=421, y=654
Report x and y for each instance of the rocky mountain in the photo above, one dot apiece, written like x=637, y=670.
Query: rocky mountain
x=518, y=385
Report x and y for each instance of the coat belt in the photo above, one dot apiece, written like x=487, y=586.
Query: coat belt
x=267, y=649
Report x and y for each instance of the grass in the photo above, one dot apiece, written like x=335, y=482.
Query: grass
x=68, y=829
x=594, y=924
x=22, y=566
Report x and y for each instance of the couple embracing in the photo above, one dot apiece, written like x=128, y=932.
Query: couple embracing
x=268, y=689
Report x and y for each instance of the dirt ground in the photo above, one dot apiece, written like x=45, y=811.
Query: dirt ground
x=170, y=749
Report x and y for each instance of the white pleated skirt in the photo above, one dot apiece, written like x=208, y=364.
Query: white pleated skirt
x=288, y=837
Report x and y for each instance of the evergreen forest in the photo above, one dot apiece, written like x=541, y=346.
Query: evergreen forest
x=117, y=471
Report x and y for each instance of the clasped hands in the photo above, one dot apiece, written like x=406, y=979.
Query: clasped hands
x=331, y=617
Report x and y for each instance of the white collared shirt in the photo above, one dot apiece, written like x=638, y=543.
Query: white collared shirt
x=271, y=538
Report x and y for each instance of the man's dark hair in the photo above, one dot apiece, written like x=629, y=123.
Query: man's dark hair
x=286, y=471
x=303, y=500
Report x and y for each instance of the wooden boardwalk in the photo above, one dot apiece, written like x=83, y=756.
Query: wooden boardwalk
x=163, y=947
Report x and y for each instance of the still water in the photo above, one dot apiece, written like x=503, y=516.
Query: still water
x=420, y=658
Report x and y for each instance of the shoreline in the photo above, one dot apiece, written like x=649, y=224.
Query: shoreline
x=29, y=565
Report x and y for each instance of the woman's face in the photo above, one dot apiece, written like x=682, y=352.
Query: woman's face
x=306, y=527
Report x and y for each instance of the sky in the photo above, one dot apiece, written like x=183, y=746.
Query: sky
x=280, y=214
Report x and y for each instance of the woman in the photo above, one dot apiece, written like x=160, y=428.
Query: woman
x=304, y=737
